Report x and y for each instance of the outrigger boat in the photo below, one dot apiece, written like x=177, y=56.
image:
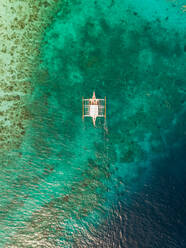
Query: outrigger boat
x=93, y=108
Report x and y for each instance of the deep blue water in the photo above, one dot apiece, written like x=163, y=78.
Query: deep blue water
x=156, y=215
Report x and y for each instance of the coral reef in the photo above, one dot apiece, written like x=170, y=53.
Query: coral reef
x=22, y=24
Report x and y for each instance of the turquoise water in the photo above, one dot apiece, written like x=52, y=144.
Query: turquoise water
x=66, y=179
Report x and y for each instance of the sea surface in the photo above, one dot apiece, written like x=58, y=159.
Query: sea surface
x=63, y=182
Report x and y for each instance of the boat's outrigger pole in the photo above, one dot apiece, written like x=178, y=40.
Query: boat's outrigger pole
x=83, y=108
x=105, y=107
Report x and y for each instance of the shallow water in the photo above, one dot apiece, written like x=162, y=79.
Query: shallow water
x=72, y=185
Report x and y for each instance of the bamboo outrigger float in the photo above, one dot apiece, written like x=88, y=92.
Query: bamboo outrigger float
x=93, y=108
